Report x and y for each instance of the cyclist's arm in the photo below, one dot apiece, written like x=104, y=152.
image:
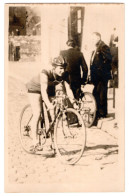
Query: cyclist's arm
x=44, y=86
x=69, y=92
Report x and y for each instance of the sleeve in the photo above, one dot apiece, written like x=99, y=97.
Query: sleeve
x=45, y=74
x=84, y=69
x=107, y=57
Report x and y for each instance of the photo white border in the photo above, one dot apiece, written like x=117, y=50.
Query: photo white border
x=2, y=2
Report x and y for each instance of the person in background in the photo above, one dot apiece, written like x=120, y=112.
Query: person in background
x=100, y=73
x=114, y=52
x=75, y=62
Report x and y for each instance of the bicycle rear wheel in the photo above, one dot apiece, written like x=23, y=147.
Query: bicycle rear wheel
x=25, y=133
x=70, y=136
x=88, y=109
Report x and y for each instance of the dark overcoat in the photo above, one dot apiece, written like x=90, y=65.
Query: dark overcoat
x=75, y=61
x=100, y=67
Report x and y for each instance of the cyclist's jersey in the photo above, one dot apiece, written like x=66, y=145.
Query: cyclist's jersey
x=34, y=85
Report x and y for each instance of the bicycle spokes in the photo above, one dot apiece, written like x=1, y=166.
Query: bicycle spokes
x=70, y=136
x=26, y=128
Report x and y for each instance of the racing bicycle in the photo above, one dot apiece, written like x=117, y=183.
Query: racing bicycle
x=67, y=130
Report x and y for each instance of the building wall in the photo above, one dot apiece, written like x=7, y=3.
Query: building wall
x=101, y=18
x=54, y=31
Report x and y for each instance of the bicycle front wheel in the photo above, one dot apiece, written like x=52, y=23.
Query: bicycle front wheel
x=70, y=136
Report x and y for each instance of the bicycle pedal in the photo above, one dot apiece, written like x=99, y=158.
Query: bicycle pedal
x=39, y=148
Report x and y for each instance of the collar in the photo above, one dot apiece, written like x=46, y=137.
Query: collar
x=98, y=43
x=70, y=47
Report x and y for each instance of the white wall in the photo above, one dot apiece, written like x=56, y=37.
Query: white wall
x=98, y=17
x=101, y=18
x=54, y=31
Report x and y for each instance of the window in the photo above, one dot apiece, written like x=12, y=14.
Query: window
x=75, y=27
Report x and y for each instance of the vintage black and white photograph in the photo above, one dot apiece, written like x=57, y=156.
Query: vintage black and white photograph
x=64, y=97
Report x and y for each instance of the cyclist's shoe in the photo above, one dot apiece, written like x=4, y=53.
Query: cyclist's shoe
x=39, y=148
x=35, y=148
x=47, y=148
x=48, y=151
x=32, y=149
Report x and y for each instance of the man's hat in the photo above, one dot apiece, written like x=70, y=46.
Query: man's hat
x=59, y=61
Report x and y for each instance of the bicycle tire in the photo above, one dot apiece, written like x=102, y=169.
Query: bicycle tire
x=62, y=142
x=90, y=104
x=26, y=140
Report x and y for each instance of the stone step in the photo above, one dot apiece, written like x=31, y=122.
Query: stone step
x=109, y=125
x=101, y=121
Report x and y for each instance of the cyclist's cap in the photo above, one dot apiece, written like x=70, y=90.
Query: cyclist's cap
x=59, y=61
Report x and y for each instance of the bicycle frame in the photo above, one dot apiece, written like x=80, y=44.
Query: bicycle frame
x=57, y=106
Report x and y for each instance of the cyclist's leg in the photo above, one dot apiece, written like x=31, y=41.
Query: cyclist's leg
x=51, y=113
x=48, y=119
x=35, y=101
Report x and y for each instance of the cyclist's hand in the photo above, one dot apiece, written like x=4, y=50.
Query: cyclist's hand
x=75, y=106
x=50, y=106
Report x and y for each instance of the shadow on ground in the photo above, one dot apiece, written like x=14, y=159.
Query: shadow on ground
x=99, y=147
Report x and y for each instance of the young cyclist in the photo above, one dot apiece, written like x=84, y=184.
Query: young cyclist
x=42, y=89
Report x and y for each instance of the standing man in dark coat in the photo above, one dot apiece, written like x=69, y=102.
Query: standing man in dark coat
x=75, y=62
x=100, y=67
